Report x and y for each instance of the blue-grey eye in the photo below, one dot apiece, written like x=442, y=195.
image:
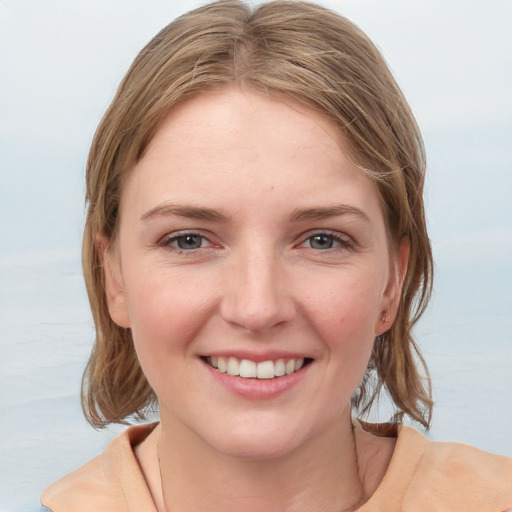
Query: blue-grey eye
x=189, y=242
x=321, y=241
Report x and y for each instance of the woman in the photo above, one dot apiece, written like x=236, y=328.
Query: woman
x=256, y=255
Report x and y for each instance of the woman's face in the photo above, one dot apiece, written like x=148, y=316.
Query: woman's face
x=249, y=248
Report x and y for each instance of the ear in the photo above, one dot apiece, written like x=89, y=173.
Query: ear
x=114, y=287
x=393, y=292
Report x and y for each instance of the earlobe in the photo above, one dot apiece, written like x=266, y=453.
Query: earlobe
x=114, y=287
x=393, y=292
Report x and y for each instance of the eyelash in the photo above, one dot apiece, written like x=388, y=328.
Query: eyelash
x=168, y=241
x=343, y=242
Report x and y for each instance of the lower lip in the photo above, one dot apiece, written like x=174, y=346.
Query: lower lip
x=258, y=389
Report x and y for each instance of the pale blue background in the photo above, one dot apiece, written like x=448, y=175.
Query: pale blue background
x=60, y=62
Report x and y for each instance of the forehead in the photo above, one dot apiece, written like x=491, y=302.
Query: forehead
x=226, y=143
x=237, y=120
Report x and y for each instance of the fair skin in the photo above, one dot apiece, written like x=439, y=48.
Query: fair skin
x=247, y=238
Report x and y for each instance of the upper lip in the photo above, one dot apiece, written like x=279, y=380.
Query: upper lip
x=257, y=357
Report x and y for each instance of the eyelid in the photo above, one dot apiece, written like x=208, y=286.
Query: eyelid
x=344, y=240
x=169, y=238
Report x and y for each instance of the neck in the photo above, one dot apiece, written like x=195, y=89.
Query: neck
x=322, y=474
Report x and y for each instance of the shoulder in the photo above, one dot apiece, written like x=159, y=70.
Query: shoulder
x=75, y=489
x=452, y=476
x=429, y=476
x=463, y=476
x=111, y=482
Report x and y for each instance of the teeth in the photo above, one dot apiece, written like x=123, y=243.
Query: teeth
x=222, y=364
x=280, y=368
x=266, y=370
x=250, y=369
x=233, y=366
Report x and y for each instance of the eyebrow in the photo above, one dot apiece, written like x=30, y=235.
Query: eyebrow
x=327, y=212
x=191, y=212
x=194, y=212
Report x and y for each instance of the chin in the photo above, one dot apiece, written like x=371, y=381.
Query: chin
x=257, y=447
x=259, y=439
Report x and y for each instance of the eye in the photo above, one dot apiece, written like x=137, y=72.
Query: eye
x=188, y=242
x=321, y=241
x=325, y=241
x=185, y=242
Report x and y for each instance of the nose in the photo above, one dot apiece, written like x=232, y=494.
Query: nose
x=256, y=296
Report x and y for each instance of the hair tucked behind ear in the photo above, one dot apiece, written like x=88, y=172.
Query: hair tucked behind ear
x=285, y=49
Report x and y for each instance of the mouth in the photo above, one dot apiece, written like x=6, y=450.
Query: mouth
x=264, y=370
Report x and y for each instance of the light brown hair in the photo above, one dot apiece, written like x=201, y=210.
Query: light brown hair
x=293, y=49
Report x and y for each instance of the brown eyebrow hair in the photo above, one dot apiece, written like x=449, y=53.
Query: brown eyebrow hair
x=327, y=212
x=192, y=212
x=297, y=215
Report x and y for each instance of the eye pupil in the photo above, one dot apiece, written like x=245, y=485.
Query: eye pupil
x=189, y=242
x=322, y=242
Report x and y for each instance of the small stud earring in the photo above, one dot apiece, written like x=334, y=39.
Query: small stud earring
x=385, y=319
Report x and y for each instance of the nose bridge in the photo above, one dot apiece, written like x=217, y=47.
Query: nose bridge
x=256, y=298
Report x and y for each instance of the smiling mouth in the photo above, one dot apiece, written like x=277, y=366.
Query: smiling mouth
x=248, y=369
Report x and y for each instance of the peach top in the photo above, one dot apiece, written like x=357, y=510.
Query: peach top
x=423, y=476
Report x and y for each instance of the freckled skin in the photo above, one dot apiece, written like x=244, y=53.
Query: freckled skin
x=255, y=283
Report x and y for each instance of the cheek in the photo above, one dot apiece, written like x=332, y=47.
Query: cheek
x=346, y=309
x=343, y=317
x=165, y=314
